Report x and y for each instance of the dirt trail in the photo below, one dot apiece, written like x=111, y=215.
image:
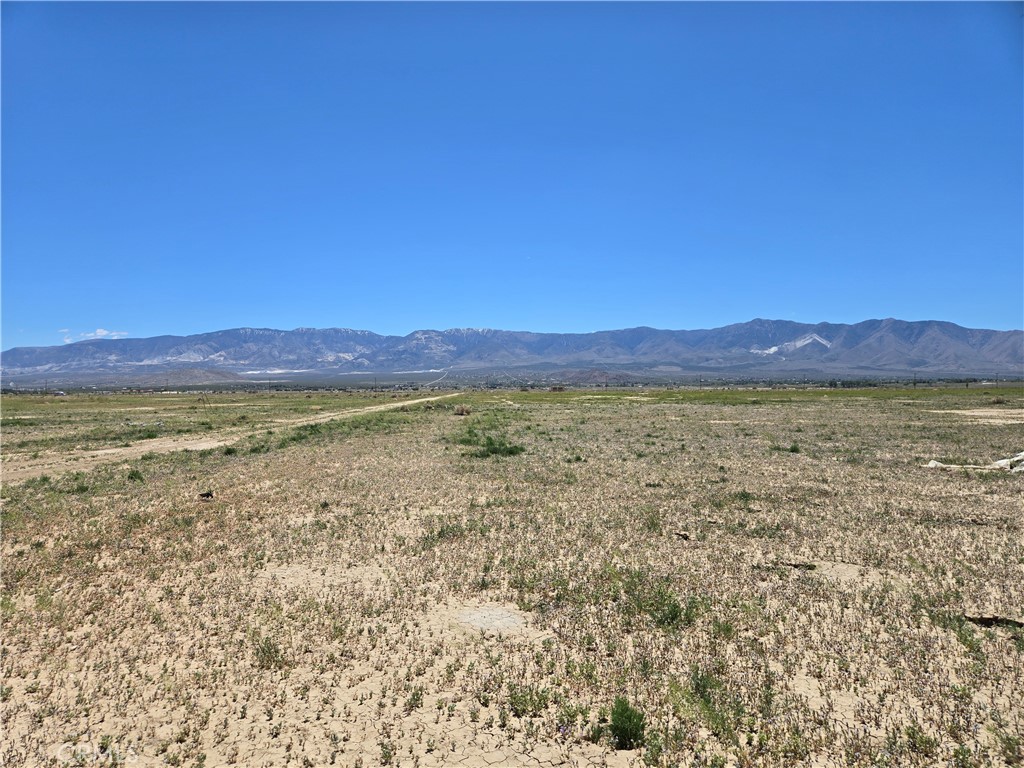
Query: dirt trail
x=23, y=467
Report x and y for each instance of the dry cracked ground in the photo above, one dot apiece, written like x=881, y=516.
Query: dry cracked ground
x=582, y=578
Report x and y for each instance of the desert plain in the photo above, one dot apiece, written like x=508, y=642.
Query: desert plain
x=584, y=578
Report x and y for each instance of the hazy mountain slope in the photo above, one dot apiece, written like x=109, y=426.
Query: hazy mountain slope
x=873, y=346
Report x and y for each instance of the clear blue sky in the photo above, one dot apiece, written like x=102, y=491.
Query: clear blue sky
x=186, y=167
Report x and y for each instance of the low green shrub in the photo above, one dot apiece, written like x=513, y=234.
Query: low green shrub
x=627, y=726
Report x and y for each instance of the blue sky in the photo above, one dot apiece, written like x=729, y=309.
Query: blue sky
x=186, y=167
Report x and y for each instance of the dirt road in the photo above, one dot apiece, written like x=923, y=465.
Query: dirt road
x=18, y=468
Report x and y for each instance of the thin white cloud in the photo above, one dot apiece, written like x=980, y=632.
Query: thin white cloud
x=103, y=333
x=99, y=333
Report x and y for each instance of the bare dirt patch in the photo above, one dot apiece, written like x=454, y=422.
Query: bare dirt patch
x=58, y=462
x=993, y=416
x=314, y=579
x=495, y=620
x=850, y=573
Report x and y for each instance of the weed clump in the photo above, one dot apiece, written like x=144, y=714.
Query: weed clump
x=527, y=700
x=496, y=446
x=721, y=710
x=487, y=440
x=628, y=725
x=269, y=654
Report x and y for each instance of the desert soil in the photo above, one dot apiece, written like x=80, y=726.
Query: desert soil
x=769, y=579
x=58, y=461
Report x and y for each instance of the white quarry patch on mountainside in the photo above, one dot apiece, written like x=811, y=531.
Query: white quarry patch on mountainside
x=790, y=346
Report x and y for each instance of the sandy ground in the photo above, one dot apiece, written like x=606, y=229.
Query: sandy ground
x=992, y=416
x=16, y=469
x=774, y=584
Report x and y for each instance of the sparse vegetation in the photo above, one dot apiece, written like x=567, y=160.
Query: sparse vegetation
x=368, y=591
x=488, y=436
x=496, y=446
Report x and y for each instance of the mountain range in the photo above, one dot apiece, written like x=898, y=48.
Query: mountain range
x=771, y=348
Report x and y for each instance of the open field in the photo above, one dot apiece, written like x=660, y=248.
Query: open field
x=56, y=434
x=581, y=578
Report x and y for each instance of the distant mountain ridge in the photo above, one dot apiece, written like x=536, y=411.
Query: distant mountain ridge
x=872, y=347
